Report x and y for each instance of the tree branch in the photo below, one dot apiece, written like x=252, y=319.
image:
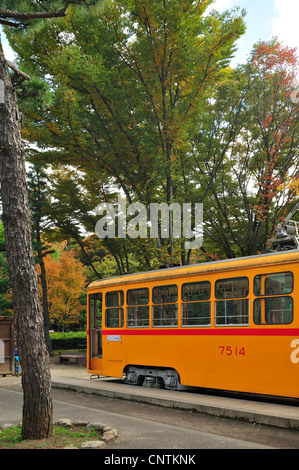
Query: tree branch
x=31, y=15
x=18, y=71
x=9, y=23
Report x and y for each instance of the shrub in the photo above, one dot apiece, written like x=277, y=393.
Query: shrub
x=62, y=341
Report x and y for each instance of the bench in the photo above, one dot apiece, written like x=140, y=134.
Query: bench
x=80, y=360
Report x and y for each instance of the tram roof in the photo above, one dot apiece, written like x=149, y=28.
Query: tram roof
x=209, y=267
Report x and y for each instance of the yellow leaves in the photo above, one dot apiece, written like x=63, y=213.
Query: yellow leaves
x=70, y=95
x=292, y=184
x=25, y=133
x=52, y=126
x=65, y=283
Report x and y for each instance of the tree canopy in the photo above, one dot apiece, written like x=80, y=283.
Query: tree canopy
x=144, y=102
x=124, y=94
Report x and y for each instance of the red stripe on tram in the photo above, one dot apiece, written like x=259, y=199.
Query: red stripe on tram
x=205, y=332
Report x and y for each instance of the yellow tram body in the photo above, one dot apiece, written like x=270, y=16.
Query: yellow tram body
x=229, y=325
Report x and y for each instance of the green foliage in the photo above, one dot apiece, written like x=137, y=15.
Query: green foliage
x=125, y=94
x=62, y=341
x=143, y=101
x=246, y=148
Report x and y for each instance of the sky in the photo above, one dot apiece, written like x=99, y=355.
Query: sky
x=264, y=19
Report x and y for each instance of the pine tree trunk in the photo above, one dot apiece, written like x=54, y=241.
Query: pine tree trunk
x=37, y=420
x=43, y=283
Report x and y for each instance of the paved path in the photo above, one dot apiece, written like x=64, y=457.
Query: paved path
x=75, y=378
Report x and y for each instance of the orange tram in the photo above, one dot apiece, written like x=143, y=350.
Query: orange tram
x=229, y=325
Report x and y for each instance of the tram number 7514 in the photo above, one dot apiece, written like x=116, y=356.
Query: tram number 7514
x=232, y=351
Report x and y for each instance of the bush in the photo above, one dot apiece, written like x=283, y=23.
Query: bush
x=62, y=341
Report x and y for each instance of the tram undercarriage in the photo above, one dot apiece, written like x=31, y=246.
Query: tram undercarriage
x=152, y=377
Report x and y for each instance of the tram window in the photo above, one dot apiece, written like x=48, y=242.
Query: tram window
x=165, y=315
x=196, y=291
x=232, y=288
x=232, y=312
x=138, y=312
x=95, y=309
x=114, y=317
x=115, y=299
x=273, y=310
x=138, y=296
x=95, y=324
x=274, y=284
x=196, y=314
x=165, y=294
x=138, y=316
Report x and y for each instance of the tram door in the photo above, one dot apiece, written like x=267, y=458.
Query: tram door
x=95, y=331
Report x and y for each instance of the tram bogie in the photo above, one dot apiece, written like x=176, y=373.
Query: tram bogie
x=152, y=377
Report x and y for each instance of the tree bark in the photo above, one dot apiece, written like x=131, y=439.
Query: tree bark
x=44, y=290
x=18, y=15
x=37, y=420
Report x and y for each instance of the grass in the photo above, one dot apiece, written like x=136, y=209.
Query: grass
x=62, y=437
